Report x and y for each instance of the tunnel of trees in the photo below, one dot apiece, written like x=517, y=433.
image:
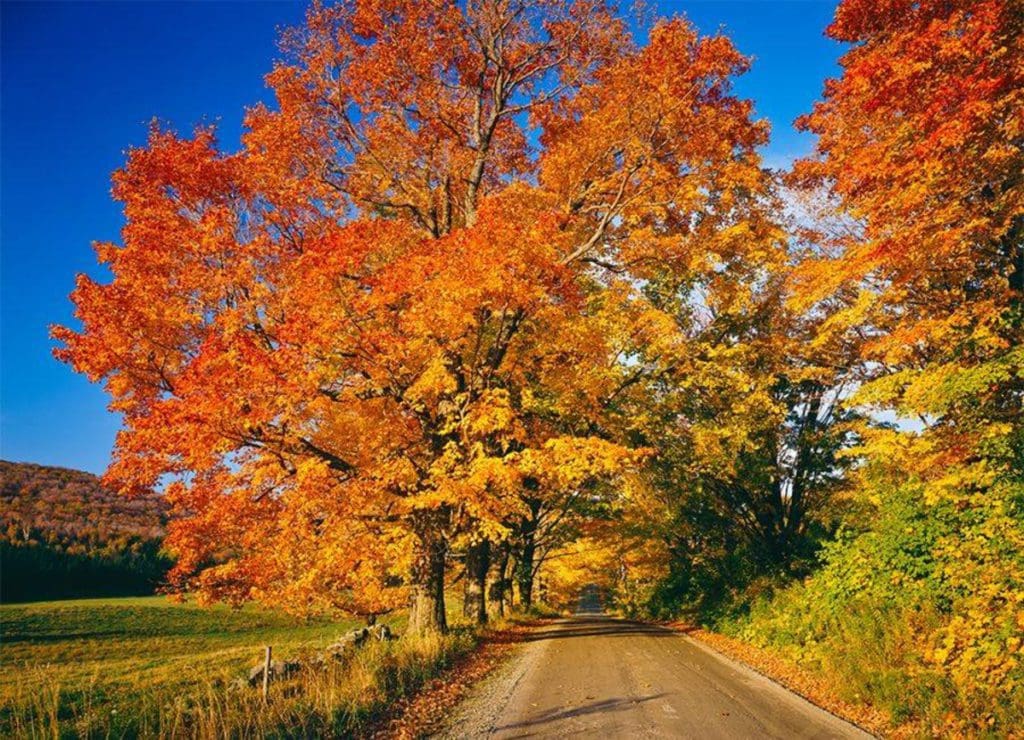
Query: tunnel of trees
x=495, y=297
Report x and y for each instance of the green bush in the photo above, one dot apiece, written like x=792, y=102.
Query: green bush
x=920, y=615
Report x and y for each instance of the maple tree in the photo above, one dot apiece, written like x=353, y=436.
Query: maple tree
x=492, y=286
x=740, y=400
x=390, y=324
x=921, y=142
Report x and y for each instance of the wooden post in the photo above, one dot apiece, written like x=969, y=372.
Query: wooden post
x=266, y=673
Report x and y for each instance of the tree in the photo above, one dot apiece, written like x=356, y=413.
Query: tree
x=920, y=142
x=745, y=411
x=362, y=337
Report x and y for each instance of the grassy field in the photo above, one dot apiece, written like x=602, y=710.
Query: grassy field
x=132, y=667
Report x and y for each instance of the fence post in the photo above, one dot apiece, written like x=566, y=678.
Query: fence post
x=266, y=673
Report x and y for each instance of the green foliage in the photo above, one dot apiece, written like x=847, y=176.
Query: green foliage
x=715, y=569
x=35, y=571
x=891, y=619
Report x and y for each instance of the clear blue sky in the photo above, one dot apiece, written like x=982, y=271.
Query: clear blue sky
x=80, y=81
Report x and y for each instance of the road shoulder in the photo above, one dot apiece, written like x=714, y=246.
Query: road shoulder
x=486, y=700
x=792, y=678
x=427, y=712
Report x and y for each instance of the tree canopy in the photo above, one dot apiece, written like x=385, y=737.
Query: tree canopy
x=493, y=291
x=391, y=321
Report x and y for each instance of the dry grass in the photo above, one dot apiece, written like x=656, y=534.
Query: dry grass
x=149, y=668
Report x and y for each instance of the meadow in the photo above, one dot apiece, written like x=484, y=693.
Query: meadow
x=149, y=667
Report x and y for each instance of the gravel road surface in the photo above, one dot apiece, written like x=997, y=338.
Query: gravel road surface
x=593, y=676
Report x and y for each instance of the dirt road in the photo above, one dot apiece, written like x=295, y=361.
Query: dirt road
x=592, y=676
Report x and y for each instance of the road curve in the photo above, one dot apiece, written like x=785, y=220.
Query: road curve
x=594, y=676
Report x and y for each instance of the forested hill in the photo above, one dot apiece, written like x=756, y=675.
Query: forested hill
x=63, y=535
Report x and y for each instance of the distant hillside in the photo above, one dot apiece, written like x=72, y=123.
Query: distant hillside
x=62, y=535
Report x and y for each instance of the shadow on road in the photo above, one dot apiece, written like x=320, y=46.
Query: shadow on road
x=617, y=704
x=596, y=626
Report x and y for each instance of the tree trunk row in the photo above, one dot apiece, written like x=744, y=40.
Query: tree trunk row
x=490, y=571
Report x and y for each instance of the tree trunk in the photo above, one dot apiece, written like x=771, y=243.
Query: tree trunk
x=524, y=576
x=478, y=562
x=497, y=590
x=524, y=572
x=524, y=563
x=426, y=613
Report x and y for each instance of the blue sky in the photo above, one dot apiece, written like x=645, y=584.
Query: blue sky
x=81, y=81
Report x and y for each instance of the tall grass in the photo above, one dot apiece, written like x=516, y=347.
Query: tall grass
x=144, y=668
x=872, y=651
x=338, y=700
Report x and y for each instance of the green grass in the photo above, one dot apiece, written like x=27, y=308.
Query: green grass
x=133, y=643
x=130, y=667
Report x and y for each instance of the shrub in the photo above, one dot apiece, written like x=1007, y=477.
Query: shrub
x=921, y=614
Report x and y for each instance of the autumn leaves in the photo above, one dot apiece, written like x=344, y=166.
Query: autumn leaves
x=490, y=285
x=373, y=335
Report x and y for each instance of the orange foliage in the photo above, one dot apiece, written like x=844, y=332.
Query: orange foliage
x=359, y=337
x=920, y=140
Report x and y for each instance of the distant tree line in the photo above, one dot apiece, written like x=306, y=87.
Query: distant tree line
x=63, y=535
